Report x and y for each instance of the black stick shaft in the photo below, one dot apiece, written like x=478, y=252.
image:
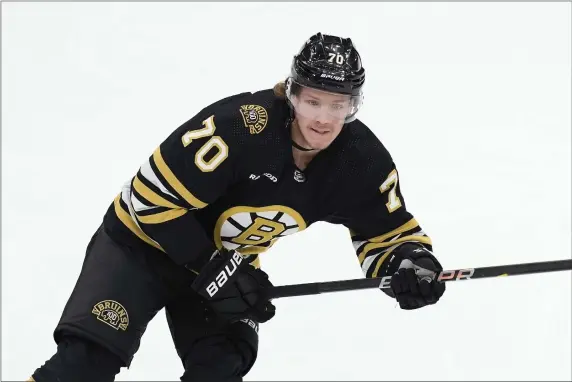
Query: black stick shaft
x=445, y=276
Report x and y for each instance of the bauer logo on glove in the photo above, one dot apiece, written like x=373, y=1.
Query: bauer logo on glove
x=224, y=275
x=234, y=289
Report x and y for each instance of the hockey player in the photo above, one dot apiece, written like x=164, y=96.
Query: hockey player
x=186, y=231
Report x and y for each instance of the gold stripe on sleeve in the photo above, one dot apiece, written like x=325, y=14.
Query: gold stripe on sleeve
x=162, y=217
x=370, y=246
x=405, y=227
x=174, y=182
x=151, y=195
x=129, y=223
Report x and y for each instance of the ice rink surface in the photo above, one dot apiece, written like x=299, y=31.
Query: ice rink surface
x=472, y=100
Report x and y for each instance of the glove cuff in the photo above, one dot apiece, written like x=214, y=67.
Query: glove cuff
x=413, y=252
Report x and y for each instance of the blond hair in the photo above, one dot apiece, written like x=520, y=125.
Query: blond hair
x=280, y=90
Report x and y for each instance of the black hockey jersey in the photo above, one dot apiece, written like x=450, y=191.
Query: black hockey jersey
x=227, y=178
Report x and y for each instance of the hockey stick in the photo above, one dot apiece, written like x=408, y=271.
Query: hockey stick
x=444, y=276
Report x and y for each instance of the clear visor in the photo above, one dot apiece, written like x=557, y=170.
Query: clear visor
x=321, y=105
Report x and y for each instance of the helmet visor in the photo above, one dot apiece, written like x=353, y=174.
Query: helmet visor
x=317, y=104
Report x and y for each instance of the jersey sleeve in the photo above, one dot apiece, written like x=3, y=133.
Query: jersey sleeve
x=379, y=221
x=191, y=169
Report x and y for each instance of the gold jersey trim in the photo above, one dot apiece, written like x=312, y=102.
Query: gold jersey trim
x=174, y=182
x=126, y=219
x=372, y=246
x=151, y=195
x=162, y=217
x=405, y=227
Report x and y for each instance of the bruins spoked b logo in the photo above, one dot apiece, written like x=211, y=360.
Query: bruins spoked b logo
x=252, y=230
x=111, y=313
x=255, y=117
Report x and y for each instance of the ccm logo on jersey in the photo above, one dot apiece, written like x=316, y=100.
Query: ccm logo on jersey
x=224, y=274
x=269, y=176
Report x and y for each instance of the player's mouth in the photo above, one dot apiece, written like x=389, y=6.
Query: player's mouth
x=319, y=132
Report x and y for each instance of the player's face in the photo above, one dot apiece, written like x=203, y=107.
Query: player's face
x=320, y=116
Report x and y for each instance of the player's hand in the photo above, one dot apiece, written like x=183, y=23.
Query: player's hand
x=234, y=289
x=414, y=284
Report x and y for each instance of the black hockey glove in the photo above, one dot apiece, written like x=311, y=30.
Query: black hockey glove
x=234, y=289
x=413, y=282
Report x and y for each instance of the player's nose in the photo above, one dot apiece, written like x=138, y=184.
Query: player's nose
x=323, y=117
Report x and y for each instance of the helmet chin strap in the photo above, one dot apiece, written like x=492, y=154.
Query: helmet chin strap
x=300, y=147
x=289, y=124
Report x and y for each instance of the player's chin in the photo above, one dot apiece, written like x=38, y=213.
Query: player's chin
x=319, y=144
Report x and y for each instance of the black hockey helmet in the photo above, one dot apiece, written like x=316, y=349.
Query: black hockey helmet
x=330, y=64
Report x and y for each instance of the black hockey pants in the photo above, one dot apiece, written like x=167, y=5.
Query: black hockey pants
x=121, y=289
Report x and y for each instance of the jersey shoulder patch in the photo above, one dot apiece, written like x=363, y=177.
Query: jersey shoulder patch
x=255, y=117
x=246, y=114
x=261, y=112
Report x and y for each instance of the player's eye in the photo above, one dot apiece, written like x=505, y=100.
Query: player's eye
x=312, y=102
